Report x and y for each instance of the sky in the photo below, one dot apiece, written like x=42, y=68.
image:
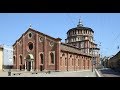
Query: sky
x=106, y=27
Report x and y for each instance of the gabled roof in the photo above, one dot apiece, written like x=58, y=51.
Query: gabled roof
x=72, y=49
x=30, y=29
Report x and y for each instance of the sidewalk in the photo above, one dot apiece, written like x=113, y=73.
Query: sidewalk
x=81, y=73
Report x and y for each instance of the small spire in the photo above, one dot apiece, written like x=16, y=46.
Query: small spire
x=80, y=23
x=30, y=25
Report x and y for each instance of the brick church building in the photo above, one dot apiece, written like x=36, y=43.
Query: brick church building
x=36, y=51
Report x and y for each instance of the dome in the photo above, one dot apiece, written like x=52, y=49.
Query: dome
x=80, y=27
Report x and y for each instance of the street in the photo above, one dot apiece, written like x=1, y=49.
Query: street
x=107, y=72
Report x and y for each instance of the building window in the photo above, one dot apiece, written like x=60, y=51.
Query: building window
x=84, y=31
x=76, y=56
x=30, y=45
x=51, y=43
x=20, y=59
x=75, y=31
x=52, y=58
x=30, y=35
x=63, y=54
x=41, y=39
x=14, y=61
x=41, y=58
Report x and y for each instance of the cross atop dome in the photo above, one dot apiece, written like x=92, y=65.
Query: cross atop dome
x=80, y=23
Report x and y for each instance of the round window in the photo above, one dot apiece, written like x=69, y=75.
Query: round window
x=40, y=39
x=30, y=35
x=30, y=46
x=51, y=43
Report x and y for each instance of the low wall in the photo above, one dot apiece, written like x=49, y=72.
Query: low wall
x=98, y=73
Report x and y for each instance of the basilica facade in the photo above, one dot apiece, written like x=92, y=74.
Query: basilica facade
x=36, y=51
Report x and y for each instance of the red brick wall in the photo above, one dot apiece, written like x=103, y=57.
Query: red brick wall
x=38, y=47
x=72, y=59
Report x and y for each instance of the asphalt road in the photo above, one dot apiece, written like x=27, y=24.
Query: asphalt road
x=107, y=72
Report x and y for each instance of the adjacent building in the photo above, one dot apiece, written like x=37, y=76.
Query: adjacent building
x=82, y=37
x=36, y=51
x=6, y=56
x=1, y=57
x=114, y=62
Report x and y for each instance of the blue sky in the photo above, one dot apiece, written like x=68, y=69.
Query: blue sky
x=106, y=27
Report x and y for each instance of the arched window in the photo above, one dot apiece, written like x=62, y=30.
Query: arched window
x=30, y=35
x=20, y=59
x=63, y=54
x=75, y=31
x=14, y=61
x=52, y=58
x=41, y=57
x=30, y=45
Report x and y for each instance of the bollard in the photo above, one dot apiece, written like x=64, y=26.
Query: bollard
x=9, y=72
x=49, y=72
